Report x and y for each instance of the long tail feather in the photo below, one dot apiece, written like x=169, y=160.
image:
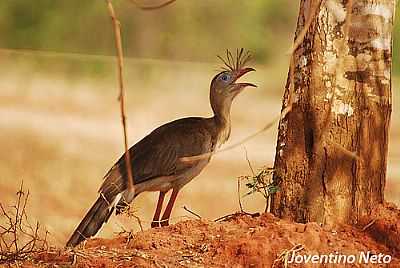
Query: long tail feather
x=98, y=214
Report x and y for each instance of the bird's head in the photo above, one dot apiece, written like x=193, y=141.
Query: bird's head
x=225, y=86
x=225, y=83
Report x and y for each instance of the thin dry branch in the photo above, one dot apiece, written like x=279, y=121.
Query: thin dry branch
x=132, y=214
x=121, y=98
x=248, y=162
x=152, y=7
x=238, y=193
x=235, y=215
x=19, y=239
x=192, y=212
x=194, y=158
x=283, y=258
x=369, y=225
x=115, y=255
x=240, y=178
x=314, y=8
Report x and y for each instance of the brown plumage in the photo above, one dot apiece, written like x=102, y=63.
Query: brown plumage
x=156, y=159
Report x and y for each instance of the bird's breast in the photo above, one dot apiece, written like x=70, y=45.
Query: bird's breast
x=191, y=173
x=223, y=136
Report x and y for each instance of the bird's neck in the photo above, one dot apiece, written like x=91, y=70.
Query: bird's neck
x=222, y=121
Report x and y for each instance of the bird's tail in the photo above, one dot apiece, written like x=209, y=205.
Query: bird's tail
x=98, y=214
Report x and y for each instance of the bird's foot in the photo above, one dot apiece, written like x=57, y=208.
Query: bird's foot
x=164, y=222
x=155, y=224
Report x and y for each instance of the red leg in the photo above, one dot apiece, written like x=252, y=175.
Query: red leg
x=156, y=218
x=167, y=212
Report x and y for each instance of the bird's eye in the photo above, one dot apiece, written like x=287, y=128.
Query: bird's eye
x=225, y=77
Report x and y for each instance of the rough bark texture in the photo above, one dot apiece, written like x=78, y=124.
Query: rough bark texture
x=331, y=152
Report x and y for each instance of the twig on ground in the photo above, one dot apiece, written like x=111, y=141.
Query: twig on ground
x=124, y=232
x=116, y=255
x=131, y=213
x=236, y=214
x=139, y=222
x=191, y=212
x=228, y=217
x=369, y=225
x=284, y=256
x=121, y=98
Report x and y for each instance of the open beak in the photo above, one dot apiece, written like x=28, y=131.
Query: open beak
x=239, y=74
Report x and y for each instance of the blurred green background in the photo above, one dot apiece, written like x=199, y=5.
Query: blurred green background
x=186, y=30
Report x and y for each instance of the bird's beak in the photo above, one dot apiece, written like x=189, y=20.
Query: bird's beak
x=239, y=74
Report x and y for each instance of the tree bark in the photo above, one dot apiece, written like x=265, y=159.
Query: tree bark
x=331, y=153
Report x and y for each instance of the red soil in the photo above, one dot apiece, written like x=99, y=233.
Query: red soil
x=242, y=241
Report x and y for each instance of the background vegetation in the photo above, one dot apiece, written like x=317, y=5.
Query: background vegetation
x=187, y=31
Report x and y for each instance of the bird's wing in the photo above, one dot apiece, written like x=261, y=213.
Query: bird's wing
x=158, y=154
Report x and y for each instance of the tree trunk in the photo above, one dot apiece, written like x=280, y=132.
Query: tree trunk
x=331, y=153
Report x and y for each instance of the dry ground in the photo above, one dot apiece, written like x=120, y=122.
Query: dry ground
x=241, y=241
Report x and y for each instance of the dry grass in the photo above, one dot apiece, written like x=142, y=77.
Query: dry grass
x=19, y=238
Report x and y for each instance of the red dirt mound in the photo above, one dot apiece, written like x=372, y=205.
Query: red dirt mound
x=241, y=241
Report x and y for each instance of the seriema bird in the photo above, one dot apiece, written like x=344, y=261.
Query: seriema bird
x=170, y=156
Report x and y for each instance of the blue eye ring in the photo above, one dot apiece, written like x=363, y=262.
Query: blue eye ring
x=225, y=77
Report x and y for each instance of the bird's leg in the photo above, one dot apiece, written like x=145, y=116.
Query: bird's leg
x=156, y=218
x=167, y=212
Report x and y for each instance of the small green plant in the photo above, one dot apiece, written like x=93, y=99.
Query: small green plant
x=261, y=182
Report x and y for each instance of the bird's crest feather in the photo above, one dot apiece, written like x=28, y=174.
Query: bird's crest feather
x=237, y=62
